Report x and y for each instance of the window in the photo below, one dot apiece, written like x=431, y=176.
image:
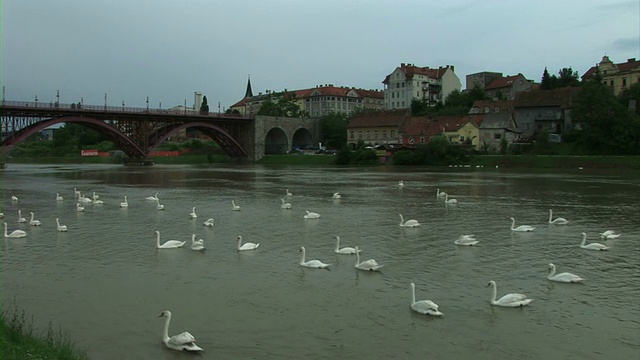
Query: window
x=384, y=134
x=368, y=135
x=611, y=83
x=375, y=135
x=421, y=140
x=392, y=134
x=497, y=136
x=352, y=135
x=360, y=135
x=624, y=82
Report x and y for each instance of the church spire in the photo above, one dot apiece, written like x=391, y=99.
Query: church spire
x=249, y=93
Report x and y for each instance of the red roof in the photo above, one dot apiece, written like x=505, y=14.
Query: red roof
x=631, y=64
x=382, y=118
x=410, y=70
x=503, y=82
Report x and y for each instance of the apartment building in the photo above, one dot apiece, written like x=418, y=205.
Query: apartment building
x=617, y=76
x=409, y=82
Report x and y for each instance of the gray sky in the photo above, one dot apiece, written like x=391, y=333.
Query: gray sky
x=131, y=49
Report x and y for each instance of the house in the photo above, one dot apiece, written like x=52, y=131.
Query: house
x=487, y=106
x=419, y=130
x=617, y=76
x=496, y=128
x=544, y=110
x=506, y=87
x=409, y=82
x=376, y=127
x=464, y=131
x=481, y=79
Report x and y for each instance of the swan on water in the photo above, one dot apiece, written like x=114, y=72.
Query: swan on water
x=367, y=265
x=59, y=197
x=60, y=227
x=171, y=244
x=466, y=240
x=209, y=222
x=426, y=307
x=314, y=264
x=345, y=250
x=79, y=207
x=158, y=205
x=449, y=201
x=440, y=194
x=592, y=246
x=285, y=205
x=95, y=196
x=14, y=198
x=34, y=222
x=20, y=218
x=1, y=215
x=562, y=277
x=288, y=193
x=336, y=196
x=96, y=199
x=14, y=233
x=197, y=245
x=183, y=341
x=246, y=246
x=125, y=203
x=609, y=234
x=234, y=207
x=400, y=183
x=556, y=221
x=193, y=214
x=76, y=192
x=508, y=300
x=84, y=199
x=521, y=228
x=311, y=215
x=408, y=223
x=152, y=198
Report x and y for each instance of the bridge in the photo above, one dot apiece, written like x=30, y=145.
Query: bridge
x=138, y=131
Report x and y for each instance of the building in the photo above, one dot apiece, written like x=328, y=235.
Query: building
x=487, y=106
x=506, y=87
x=617, y=76
x=497, y=128
x=376, y=127
x=408, y=82
x=481, y=79
x=464, y=130
x=549, y=110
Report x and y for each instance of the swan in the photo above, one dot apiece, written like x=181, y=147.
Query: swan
x=183, y=341
x=158, y=205
x=1, y=215
x=557, y=221
x=288, y=193
x=592, y=246
x=14, y=233
x=509, y=300
x=234, y=206
x=311, y=215
x=197, y=245
x=246, y=246
x=152, y=198
x=61, y=227
x=125, y=203
x=314, y=264
x=426, y=307
x=20, y=218
x=193, y=214
x=209, y=222
x=98, y=202
x=84, y=199
x=285, y=205
x=95, y=196
x=336, y=196
x=344, y=250
x=367, y=265
x=449, y=201
x=408, y=223
x=76, y=192
x=521, y=228
x=14, y=198
x=440, y=194
x=467, y=240
x=609, y=234
x=171, y=244
x=59, y=197
x=562, y=277
x=79, y=207
x=400, y=183
x=34, y=222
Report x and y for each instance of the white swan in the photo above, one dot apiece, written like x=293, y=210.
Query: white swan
x=60, y=227
x=311, y=215
x=314, y=264
x=400, y=183
x=246, y=246
x=288, y=193
x=234, y=206
x=125, y=203
x=285, y=205
x=1, y=215
x=95, y=196
x=20, y=218
x=562, y=277
x=449, y=201
x=59, y=197
x=408, y=223
x=426, y=307
x=440, y=194
x=193, y=214
x=84, y=199
x=197, y=245
x=158, y=205
x=592, y=246
x=14, y=233
x=96, y=199
x=34, y=222
x=336, y=196
x=152, y=198
x=76, y=192
x=509, y=300
x=171, y=244
x=183, y=341
x=345, y=250
x=466, y=240
x=557, y=221
x=367, y=265
x=609, y=234
x=14, y=198
x=209, y=222
x=521, y=228
x=79, y=207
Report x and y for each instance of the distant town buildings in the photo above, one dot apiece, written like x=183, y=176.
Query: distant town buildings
x=617, y=76
x=409, y=82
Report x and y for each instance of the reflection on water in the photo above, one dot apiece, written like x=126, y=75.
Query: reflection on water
x=105, y=282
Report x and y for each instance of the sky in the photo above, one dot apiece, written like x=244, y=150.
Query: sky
x=168, y=49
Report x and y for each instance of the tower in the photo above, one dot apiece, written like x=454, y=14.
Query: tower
x=248, y=93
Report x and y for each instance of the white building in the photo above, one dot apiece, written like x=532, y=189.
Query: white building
x=409, y=82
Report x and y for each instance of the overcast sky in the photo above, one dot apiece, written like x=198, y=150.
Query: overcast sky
x=167, y=49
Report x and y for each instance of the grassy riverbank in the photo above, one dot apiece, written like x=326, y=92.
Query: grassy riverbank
x=18, y=341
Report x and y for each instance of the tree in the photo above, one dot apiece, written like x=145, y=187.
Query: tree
x=547, y=82
x=631, y=94
x=333, y=128
x=281, y=104
x=204, y=107
x=566, y=77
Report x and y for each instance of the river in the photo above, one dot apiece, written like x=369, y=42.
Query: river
x=105, y=283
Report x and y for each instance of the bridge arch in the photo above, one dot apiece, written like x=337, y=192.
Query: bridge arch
x=302, y=137
x=276, y=141
x=228, y=144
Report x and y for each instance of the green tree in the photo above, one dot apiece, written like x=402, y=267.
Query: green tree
x=204, y=107
x=631, y=94
x=566, y=77
x=333, y=128
x=281, y=104
x=547, y=82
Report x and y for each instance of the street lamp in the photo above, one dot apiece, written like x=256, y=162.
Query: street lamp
x=147, y=103
x=122, y=105
x=36, y=100
x=105, y=101
x=3, y=94
x=57, y=97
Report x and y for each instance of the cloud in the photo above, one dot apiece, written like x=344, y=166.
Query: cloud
x=627, y=44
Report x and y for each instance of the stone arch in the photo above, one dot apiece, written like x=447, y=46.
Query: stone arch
x=228, y=144
x=302, y=137
x=276, y=141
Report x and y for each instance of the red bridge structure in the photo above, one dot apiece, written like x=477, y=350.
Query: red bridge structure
x=138, y=131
